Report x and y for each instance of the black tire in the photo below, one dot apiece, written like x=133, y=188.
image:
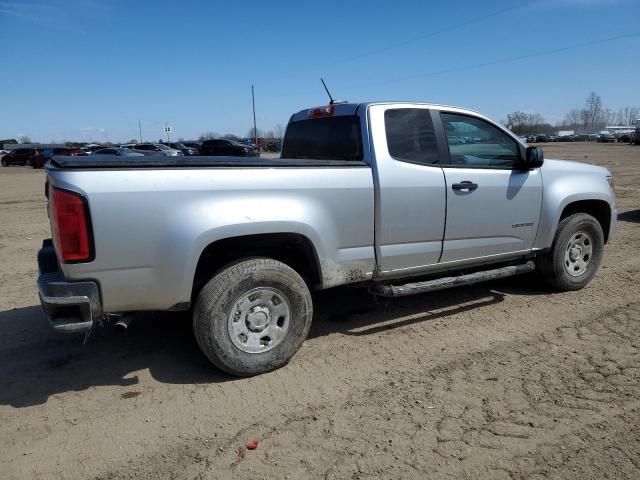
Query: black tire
x=554, y=267
x=218, y=299
x=4, y=162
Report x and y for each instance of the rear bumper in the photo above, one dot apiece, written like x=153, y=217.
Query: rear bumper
x=71, y=307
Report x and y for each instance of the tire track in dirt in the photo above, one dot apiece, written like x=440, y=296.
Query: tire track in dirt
x=559, y=405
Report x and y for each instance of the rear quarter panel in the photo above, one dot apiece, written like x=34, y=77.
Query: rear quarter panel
x=150, y=226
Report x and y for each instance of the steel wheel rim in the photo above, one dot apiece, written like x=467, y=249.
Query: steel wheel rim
x=578, y=254
x=259, y=320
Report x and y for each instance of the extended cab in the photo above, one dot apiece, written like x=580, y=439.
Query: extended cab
x=404, y=197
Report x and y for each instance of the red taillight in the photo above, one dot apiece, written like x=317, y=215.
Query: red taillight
x=321, y=111
x=71, y=226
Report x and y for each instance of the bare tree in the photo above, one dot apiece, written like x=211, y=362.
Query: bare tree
x=278, y=131
x=585, y=115
x=572, y=119
x=593, y=105
x=208, y=136
x=257, y=133
x=231, y=136
x=24, y=139
x=517, y=122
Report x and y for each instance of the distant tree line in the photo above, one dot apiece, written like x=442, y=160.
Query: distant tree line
x=276, y=133
x=594, y=116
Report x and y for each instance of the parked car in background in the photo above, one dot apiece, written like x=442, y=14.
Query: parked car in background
x=45, y=154
x=118, y=151
x=149, y=149
x=20, y=156
x=195, y=145
x=542, y=138
x=624, y=138
x=273, y=145
x=183, y=148
x=565, y=138
x=224, y=147
x=606, y=138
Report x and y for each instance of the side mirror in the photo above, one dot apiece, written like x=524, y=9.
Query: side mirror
x=534, y=158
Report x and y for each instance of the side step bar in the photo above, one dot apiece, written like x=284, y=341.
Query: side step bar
x=387, y=290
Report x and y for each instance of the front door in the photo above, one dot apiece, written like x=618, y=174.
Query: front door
x=493, y=208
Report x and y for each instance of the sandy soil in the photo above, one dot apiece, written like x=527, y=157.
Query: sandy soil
x=505, y=380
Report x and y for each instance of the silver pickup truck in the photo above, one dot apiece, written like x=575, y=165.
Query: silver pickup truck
x=402, y=197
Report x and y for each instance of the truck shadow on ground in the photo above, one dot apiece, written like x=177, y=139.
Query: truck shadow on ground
x=632, y=216
x=38, y=363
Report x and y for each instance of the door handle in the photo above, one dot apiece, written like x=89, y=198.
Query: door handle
x=466, y=185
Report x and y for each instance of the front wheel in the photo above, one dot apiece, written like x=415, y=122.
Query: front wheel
x=575, y=255
x=252, y=316
x=3, y=162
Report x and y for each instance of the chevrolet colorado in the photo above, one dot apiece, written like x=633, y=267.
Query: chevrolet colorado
x=402, y=197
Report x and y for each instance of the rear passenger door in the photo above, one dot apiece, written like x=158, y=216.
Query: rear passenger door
x=493, y=206
x=410, y=194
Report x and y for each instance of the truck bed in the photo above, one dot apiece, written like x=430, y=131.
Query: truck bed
x=114, y=162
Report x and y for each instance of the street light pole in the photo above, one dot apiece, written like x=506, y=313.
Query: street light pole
x=255, y=129
x=140, y=130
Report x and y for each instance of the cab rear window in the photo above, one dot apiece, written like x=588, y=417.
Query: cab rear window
x=327, y=138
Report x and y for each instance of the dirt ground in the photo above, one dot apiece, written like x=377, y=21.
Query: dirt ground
x=505, y=380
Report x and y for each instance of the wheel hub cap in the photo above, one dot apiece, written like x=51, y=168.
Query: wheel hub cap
x=574, y=254
x=259, y=320
x=578, y=253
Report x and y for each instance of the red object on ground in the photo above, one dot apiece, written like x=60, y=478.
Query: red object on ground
x=252, y=445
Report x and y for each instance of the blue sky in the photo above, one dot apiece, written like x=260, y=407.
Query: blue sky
x=73, y=69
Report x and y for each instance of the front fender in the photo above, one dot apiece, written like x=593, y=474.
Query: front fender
x=562, y=187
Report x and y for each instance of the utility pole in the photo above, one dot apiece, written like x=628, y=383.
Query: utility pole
x=106, y=136
x=167, y=129
x=255, y=129
x=140, y=130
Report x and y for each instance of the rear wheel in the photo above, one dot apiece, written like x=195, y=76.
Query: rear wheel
x=252, y=316
x=575, y=255
x=3, y=162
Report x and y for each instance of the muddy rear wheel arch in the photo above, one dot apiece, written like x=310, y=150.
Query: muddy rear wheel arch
x=293, y=249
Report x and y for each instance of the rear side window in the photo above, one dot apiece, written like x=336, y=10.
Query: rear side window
x=410, y=135
x=326, y=138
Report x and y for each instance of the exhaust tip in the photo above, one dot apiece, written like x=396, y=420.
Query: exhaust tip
x=122, y=324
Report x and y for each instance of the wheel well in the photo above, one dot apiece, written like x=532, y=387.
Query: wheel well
x=599, y=209
x=292, y=249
